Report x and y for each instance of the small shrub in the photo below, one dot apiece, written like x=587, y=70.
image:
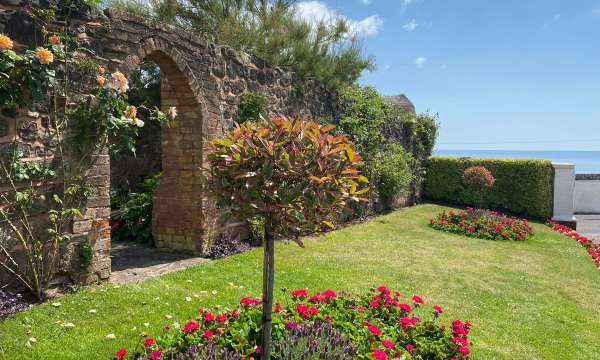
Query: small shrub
x=253, y=106
x=479, y=178
x=132, y=219
x=592, y=249
x=227, y=244
x=522, y=186
x=321, y=325
x=483, y=224
x=392, y=172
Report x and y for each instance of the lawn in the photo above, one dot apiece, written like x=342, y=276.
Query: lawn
x=538, y=299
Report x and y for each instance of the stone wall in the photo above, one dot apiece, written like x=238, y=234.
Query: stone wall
x=204, y=81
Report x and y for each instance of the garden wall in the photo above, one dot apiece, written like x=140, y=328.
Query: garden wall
x=204, y=81
x=522, y=186
x=587, y=194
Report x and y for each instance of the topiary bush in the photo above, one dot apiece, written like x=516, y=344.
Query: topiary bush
x=522, y=186
x=392, y=172
x=478, y=178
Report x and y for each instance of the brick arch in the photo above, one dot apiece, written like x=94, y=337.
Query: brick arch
x=182, y=218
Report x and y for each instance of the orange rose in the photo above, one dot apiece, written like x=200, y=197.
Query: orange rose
x=131, y=112
x=5, y=42
x=100, y=70
x=45, y=56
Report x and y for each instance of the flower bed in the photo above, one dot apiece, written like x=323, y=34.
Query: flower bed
x=483, y=224
x=376, y=326
x=587, y=243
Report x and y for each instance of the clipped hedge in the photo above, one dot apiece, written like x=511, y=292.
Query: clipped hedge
x=523, y=186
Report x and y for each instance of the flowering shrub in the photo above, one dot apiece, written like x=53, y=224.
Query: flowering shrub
x=587, y=243
x=483, y=224
x=478, y=178
x=375, y=326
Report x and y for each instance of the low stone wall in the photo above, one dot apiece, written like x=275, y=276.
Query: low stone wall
x=587, y=194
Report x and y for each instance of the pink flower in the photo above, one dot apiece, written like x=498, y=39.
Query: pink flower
x=149, y=342
x=438, y=309
x=278, y=308
x=120, y=353
x=221, y=318
x=291, y=325
x=258, y=350
x=246, y=301
x=208, y=317
x=408, y=322
x=155, y=355
x=384, y=290
x=190, y=326
x=207, y=334
x=409, y=347
x=374, y=304
x=388, y=344
x=379, y=354
x=461, y=341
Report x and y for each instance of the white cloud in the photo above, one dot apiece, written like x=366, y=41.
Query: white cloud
x=367, y=2
x=420, y=62
x=315, y=11
x=410, y=26
x=407, y=2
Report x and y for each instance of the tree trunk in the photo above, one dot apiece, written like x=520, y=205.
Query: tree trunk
x=267, y=297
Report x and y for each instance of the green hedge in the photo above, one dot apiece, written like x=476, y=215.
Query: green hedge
x=522, y=186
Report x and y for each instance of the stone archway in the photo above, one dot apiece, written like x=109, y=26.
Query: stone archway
x=182, y=217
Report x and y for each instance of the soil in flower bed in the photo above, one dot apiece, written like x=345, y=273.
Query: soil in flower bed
x=484, y=224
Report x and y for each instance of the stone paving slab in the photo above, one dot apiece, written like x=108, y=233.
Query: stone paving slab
x=589, y=225
x=134, y=263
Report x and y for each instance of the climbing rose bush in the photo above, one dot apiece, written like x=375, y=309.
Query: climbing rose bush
x=592, y=249
x=380, y=325
x=483, y=224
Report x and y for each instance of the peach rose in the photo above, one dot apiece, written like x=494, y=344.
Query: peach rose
x=101, y=80
x=45, y=56
x=119, y=81
x=131, y=112
x=5, y=42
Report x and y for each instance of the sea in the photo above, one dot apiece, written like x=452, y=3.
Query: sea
x=586, y=162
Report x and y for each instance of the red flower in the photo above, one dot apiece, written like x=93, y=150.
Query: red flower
x=221, y=318
x=461, y=341
x=246, y=301
x=384, y=290
x=300, y=293
x=409, y=347
x=374, y=304
x=278, y=308
x=120, y=353
x=405, y=307
x=418, y=300
x=408, y=322
x=463, y=350
x=291, y=325
x=374, y=329
x=313, y=310
x=379, y=354
x=207, y=334
x=388, y=344
x=149, y=342
x=329, y=294
x=208, y=317
x=190, y=326
x=438, y=309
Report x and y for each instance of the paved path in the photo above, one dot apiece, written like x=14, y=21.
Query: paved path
x=589, y=225
x=133, y=263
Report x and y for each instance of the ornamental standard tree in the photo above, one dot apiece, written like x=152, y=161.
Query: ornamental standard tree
x=294, y=173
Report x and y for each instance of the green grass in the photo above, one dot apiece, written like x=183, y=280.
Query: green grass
x=538, y=299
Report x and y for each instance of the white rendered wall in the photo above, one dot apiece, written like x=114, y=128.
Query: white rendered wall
x=587, y=196
x=564, y=189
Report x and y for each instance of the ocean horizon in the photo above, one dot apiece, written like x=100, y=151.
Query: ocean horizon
x=586, y=162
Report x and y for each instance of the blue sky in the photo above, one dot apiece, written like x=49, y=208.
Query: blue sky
x=512, y=74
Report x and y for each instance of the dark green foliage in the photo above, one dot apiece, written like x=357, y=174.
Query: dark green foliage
x=522, y=186
x=253, y=106
x=257, y=230
x=85, y=256
x=144, y=85
x=132, y=214
x=392, y=172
